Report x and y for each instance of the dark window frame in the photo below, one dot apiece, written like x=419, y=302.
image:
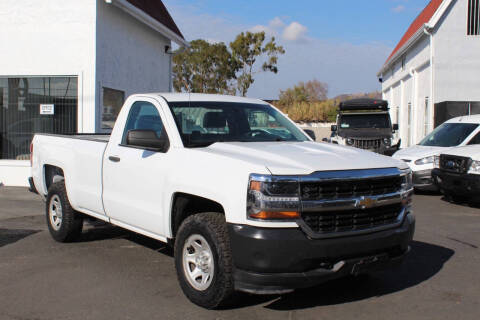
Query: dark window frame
x=473, y=17
x=102, y=115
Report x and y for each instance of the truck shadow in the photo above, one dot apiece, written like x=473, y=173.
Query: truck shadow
x=424, y=261
x=9, y=236
x=98, y=231
x=464, y=202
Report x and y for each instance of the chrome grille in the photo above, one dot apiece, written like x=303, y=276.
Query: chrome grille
x=342, y=203
x=344, y=189
x=367, y=143
x=352, y=220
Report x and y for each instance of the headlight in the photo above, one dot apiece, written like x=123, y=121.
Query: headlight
x=387, y=141
x=407, y=187
x=426, y=160
x=350, y=141
x=273, y=198
x=436, y=162
x=474, y=167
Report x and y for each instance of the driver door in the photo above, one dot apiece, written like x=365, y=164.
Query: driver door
x=134, y=177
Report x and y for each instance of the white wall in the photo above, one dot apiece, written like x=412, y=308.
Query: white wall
x=457, y=57
x=409, y=84
x=130, y=55
x=42, y=38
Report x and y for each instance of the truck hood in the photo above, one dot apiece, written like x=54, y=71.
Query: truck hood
x=472, y=151
x=291, y=158
x=417, y=152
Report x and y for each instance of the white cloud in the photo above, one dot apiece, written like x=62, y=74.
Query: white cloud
x=399, y=8
x=260, y=28
x=295, y=32
x=276, y=23
x=274, y=27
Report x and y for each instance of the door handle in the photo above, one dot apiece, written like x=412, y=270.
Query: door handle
x=114, y=159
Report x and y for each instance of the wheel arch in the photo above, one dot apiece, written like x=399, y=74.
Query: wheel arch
x=186, y=204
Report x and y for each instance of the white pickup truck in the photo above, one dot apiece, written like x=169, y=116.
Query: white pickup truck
x=248, y=200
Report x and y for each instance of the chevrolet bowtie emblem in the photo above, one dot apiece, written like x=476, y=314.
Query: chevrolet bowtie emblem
x=365, y=202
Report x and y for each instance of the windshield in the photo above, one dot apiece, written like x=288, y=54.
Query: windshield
x=356, y=121
x=203, y=123
x=449, y=135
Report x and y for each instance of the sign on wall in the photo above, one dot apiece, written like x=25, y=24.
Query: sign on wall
x=47, y=109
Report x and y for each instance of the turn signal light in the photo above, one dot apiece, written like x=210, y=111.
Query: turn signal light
x=275, y=215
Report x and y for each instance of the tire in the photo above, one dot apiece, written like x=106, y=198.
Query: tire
x=64, y=223
x=205, y=236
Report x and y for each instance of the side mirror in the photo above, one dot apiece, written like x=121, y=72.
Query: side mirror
x=395, y=127
x=334, y=128
x=147, y=139
x=311, y=134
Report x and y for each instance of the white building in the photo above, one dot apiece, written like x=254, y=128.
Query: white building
x=433, y=74
x=84, y=57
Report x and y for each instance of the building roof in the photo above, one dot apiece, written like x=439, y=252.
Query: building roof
x=157, y=10
x=423, y=18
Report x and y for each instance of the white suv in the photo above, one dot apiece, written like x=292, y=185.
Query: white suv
x=455, y=132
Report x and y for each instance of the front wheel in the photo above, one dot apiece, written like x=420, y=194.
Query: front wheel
x=203, y=260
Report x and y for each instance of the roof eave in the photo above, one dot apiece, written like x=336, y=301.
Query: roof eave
x=149, y=21
x=413, y=39
x=429, y=26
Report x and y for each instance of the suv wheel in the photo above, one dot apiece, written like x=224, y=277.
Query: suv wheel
x=64, y=223
x=203, y=260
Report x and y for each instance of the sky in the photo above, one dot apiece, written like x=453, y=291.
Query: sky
x=341, y=42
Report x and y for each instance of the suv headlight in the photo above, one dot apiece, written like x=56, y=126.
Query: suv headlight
x=426, y=160
x=350, y=142
x=474, y=167
x=387, y=141
x=436, y=162
x=273, y=198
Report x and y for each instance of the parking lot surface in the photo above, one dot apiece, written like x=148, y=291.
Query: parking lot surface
x=115, y=274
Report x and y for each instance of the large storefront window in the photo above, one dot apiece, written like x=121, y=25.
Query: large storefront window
x=32, y=105
x=112, y=103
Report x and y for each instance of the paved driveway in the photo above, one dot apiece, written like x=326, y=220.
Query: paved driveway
x=115, y=274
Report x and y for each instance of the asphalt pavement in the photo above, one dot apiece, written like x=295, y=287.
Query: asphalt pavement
x=115, y=274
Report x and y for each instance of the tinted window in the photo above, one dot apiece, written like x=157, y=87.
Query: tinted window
x=475, y=140
x=145, y=116
x=204, y=123
x=449, y=135
x=364, y=121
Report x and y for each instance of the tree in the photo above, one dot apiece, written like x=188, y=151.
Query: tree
x=204, y=68
x=315, y=90
x=246, y=49
x=310, y=91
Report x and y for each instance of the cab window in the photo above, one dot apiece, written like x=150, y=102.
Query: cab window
x=144, y=116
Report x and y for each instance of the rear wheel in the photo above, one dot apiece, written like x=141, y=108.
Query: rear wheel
x=203, y=260
x=64, y=223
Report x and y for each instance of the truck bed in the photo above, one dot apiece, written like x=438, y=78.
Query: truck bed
x=98, y=137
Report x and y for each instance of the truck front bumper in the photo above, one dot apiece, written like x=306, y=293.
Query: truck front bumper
x=271, y=261
x=460, y=184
